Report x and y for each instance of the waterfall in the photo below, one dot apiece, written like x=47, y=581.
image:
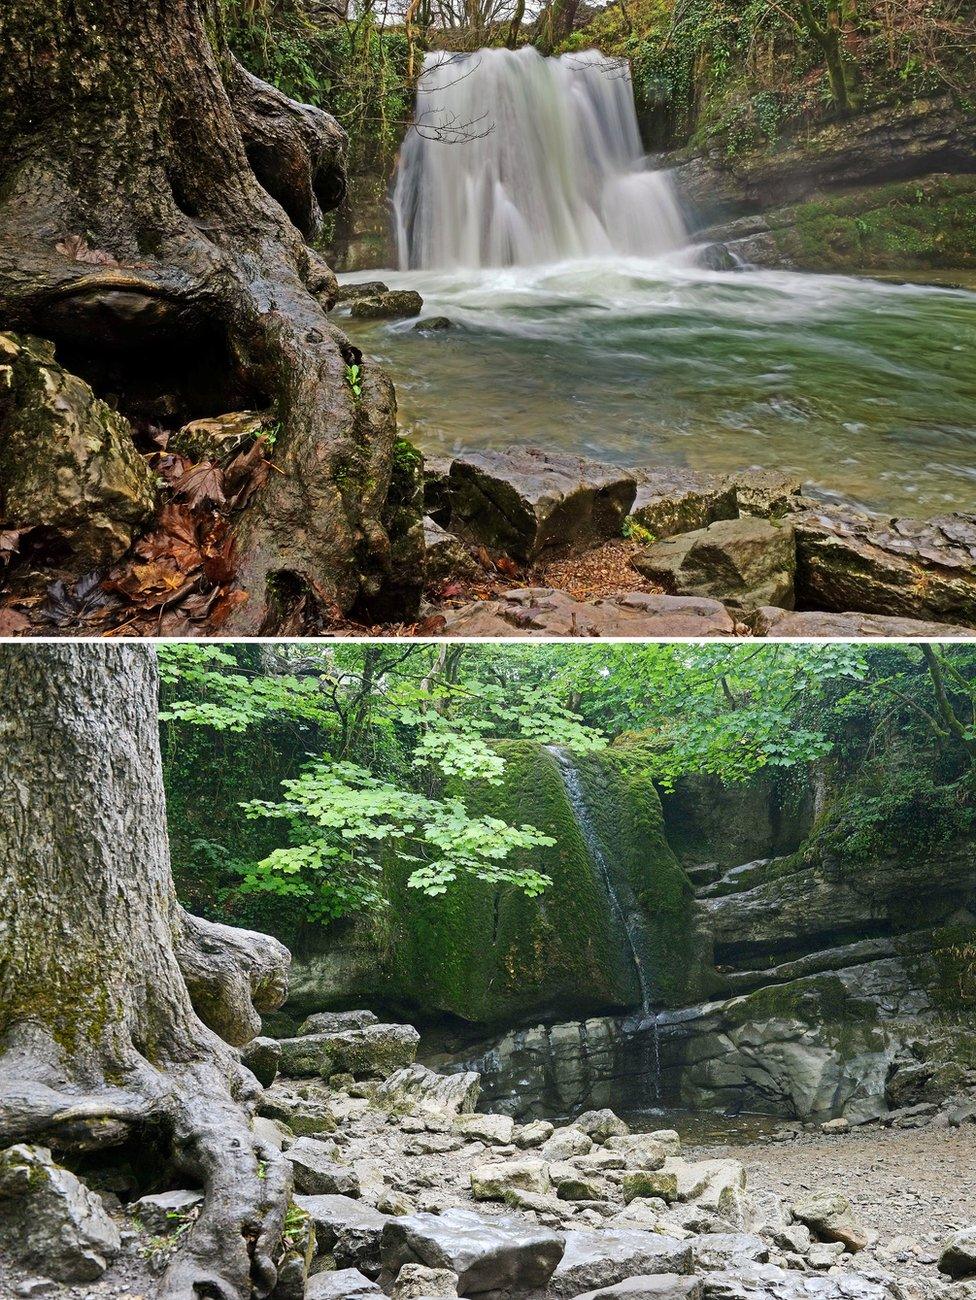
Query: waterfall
x=624, y=908
x=514, y=159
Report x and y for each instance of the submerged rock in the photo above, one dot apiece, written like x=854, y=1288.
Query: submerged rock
x=51, y=1221
x=433, y=324
x=68, y=464
x=541, y=611
x=749, y=562
x=507, y=1253
x=523, y=501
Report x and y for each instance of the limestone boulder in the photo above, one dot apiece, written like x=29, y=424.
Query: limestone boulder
x=773, y=622
x=493, y=1182
x=50, y=1221
x=495, y=1130
x=765, y=494
x=566, y=1142
x=654, y=1286
x=524, y=502
x=316, y=1172
x=601, y=1124
x=305, y=1116
x=446, y=557
x=418, y=1282
x=341, y=1284
x=347, y=1229
x=904, y=568
x=535, y=1134
x=360, y=289
x=718, y=1186
x=671, y=501
x=371, y=1051
x=502, y=1254
x=541, y=611
x=437, y=1098
x=640, y=1150
x=829, y=1217
x=162, y=1211
x=650, y=1182
x=593, y=1260
x=336, y=1022
x=749, y=562
x=957, y=1257
x=769, y=1282
x=220, y=437
x=68, y=463
x=262, y=1056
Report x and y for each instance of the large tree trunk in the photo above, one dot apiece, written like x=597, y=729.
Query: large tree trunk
x=99, y=1038
x=148, y=190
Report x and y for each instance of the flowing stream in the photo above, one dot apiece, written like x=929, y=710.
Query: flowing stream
x=624, y=909
x=583, y=321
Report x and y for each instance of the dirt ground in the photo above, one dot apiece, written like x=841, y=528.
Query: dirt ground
x=910, y=1187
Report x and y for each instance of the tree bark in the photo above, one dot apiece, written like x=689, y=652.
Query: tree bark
x=148, y=190
x=99, y=1036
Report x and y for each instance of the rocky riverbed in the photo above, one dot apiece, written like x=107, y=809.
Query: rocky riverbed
x=402, y=1188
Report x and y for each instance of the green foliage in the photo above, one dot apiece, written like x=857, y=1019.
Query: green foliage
x=635, y=532
x=353, y=379
x=355, y=69
x=342, y=820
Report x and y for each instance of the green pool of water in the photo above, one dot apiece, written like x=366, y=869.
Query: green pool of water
x=866, y=390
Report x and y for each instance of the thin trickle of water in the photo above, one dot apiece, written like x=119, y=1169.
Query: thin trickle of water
x=626, y=913
x=514, y=159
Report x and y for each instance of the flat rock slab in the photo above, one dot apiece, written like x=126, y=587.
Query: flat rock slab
x=541, y=611
x=749, y=561
x=523, y=502
x=773, y=622
x=337, y=1022
x=907, y=568
x=316, y=1172
x=769, y=1282
x=340, y=1284
x=654, y=1286
x=370, y=1050
x=506, y=1253
x=601, y=1259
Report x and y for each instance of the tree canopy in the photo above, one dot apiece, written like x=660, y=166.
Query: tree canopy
x=296, y=770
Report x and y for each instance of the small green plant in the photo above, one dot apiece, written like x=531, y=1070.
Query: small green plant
x=270, y=434
x=636, y=532
x=354, y=379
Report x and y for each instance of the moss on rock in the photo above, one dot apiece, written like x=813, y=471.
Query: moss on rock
x=490, y=953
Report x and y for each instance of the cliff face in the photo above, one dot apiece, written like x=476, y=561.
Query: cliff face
x=849, y=979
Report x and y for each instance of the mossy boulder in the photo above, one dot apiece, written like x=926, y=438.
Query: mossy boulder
x=68, y=464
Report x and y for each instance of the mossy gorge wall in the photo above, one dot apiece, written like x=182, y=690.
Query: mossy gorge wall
x=491, y=955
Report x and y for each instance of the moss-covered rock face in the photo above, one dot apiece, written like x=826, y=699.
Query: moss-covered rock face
x=490, y=954
x=919, y=224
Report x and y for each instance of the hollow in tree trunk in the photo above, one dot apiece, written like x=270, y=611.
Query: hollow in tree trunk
x=155, y=201
x=105, y=982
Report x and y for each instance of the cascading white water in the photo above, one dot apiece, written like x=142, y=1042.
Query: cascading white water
x=514, y=159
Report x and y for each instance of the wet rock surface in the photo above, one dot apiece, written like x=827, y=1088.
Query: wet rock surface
x=391, y=304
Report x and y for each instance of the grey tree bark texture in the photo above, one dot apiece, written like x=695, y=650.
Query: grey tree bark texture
x=112, y=1000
